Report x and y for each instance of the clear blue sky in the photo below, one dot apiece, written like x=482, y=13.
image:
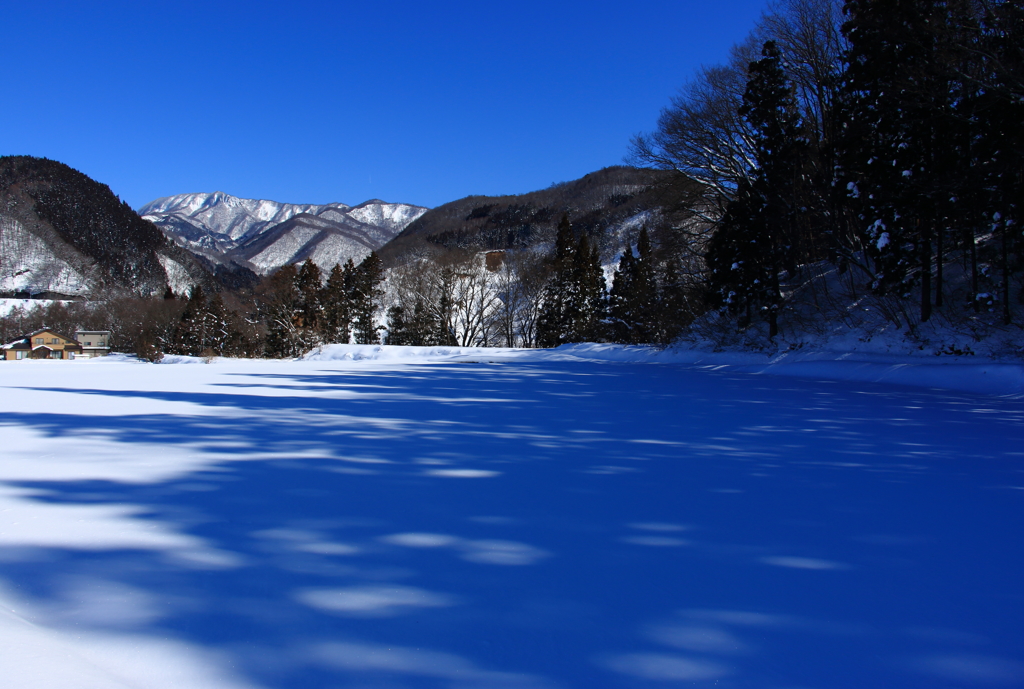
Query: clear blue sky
x=311, y=102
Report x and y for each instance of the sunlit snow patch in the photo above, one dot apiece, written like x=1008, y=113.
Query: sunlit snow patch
x=373, y=600
x=803, y=563
x=461, y=473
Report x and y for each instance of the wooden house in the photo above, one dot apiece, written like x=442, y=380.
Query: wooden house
x=42, y=344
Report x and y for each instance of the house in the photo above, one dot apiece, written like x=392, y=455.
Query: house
x=94, y=342
x=42, y=344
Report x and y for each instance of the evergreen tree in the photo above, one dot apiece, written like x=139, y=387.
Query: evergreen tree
x=399, y=327
x=335, y=300
x=621, y=298
x=674, y=304
x=279, y=299
x=418, y=329
x=758, y=236
x=633, y=300
x=309, y=314
x=899, y=152
x=1000, y=144
x=367, y=299
x=588, y=305
x=555, y=321
x=190, y=335
x=574, y=301
x=734, y=255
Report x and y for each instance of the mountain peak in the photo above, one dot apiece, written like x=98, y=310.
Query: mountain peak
x=265, y=234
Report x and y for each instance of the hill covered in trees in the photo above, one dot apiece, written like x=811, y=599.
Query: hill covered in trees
x=66, y=233
x=596, y=205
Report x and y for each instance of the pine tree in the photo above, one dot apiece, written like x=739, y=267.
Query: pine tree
x=309, y=310
x=555, y=321
x=758, y=236
x=900, y=145
x=418, y=329
x=1001, y=141
x=621, y=299
x=646, y=290
x=675, y=308
x=399, y=327
x=335, y=300
x=367, y=299
x=633, y=300
x=588, y=304
x=190, y=335
x=279, y=299
x=734, y=255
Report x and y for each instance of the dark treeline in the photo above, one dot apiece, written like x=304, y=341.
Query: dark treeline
x=287, y=313
x=879, y=137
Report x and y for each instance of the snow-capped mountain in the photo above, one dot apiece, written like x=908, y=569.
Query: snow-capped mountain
x=265, y=235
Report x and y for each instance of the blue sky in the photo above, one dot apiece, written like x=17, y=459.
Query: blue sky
x=311, y=102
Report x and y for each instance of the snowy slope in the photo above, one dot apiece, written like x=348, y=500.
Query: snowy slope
x=267, y=234
x=29, y=264
x=407, y=520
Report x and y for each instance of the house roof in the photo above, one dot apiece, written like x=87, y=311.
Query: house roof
x=52, y=332
x=25, y=341
x=17, y=344
x=41, y=330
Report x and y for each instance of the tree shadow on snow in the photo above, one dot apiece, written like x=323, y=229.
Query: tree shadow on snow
x=573, y=525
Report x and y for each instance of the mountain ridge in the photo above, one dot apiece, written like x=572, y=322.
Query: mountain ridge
x=263, y=235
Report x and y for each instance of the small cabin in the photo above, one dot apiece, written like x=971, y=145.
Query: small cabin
x=42, y=344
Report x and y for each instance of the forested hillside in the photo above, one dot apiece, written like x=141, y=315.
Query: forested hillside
x=595, y=205
x=866, y=155
x=57, y=219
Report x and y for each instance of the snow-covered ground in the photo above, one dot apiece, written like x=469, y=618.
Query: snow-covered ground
x=588, y=517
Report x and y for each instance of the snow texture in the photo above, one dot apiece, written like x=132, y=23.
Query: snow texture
x=586, y=517
x=28, y=264
x=178, y=278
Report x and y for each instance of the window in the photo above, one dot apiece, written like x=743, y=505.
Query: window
x=40, y=340
x=54, y=340
x=88, y=344
x=55, y=355
x=21, y=354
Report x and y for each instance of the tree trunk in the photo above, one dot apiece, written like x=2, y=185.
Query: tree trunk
x=1005, y=260
x=973, y=244
x=926, y=270
x=939, y=258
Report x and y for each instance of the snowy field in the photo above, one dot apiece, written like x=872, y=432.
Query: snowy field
x=587, y=518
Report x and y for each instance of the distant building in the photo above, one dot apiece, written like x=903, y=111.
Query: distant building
x=94, y=342
x=42, y=344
